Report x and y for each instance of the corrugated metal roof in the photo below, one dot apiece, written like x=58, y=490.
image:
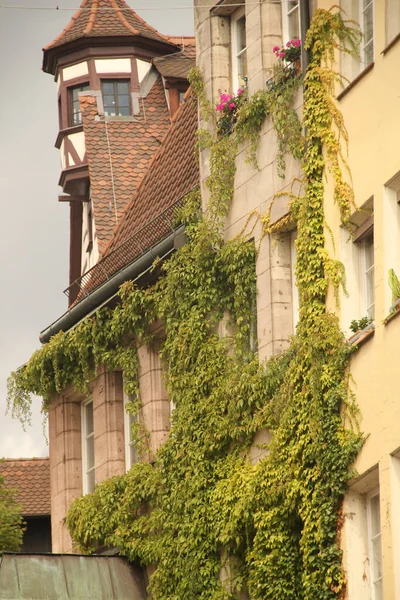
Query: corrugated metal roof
x=69, y=577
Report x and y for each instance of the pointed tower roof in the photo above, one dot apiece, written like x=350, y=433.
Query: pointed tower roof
x=96, y=20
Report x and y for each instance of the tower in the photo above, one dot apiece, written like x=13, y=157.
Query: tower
x=118, y=82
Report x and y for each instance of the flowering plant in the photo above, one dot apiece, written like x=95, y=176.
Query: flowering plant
x=228, y=107
x=289, y=53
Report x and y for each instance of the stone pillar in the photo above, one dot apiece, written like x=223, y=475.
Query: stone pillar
x=65, y=463
x=108, y=419
x=155, y=412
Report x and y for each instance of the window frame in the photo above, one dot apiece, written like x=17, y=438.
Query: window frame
x=362, y=10
x=87, y=485
x=71, y=114
x=287, y=13
x=371, y=539
x=115, y=83
x=368, y=289
x=131, y=453
x=237, y=16
x=295, y=289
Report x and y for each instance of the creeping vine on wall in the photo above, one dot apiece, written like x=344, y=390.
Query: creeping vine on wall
x=214, y=523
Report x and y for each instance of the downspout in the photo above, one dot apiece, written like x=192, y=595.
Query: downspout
x=110, y=287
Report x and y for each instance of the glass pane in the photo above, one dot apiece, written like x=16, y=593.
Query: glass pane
x=375, y=516
x=242, y=66
x=368, y=25
x=90, y=453
x=293, y=18
x=133, y=454
x=241, y=34
x=123, y=100
x=376, y=558
x=124, y=111
x=88, y=418
x=109, y=111
x=378, y=590
x=122, y=87
x=109, y=100
x=90, y=480
x=108, y=87
x=77, y=118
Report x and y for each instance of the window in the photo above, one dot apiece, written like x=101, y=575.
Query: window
x=375, y=547
x=367, y=271
x=295, y=289
x=367, y=28
x=239, y=50
x=116, y=98
x=88, y=461
x=392, y=19
x=131, y=455
x=290, y=20
x=361, y=11
x=75, y=109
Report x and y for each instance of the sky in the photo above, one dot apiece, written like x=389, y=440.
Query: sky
x=34, y=226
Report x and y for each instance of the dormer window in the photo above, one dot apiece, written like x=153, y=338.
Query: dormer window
x=116, y=98
x=75, y=117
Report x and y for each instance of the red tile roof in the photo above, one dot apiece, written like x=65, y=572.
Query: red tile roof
x=102, y=18
x=175, y=65
x=132, y=144
x=173, y=172
x=31, y=477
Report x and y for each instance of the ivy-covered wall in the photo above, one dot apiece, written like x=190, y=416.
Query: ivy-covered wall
x=215, y=524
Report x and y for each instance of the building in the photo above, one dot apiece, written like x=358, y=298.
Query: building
x=123, y=137
x=244, y=36
x=234, y=42
x=31, y=478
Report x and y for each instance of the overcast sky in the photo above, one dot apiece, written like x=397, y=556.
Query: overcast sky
x=33, y=225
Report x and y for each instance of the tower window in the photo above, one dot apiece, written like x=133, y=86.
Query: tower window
x=75, y=109
x=116, y=98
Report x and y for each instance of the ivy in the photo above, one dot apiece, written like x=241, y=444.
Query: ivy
x=212, y=522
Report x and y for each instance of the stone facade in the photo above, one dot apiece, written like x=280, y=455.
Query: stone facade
x=370, y=109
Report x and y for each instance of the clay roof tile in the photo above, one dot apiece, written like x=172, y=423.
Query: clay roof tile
x=31, y=478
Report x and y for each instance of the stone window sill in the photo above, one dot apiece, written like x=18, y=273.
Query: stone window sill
x=361, y=337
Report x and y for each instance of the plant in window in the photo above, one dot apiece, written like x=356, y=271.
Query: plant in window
x=289, y=53
x=394, y=285
x=228, y=108
x=360, y=324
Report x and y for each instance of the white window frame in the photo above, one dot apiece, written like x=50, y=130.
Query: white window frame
x=366, y=270
x=287, y=13
x=131, y=455
x=372, y=538
x=235, y=18
x=86, y=438
x=363, y=9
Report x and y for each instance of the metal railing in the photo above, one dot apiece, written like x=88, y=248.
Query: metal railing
x=141, y=242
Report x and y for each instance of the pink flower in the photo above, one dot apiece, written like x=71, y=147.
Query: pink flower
x=220, y=106
x=231, y=106
x=281, y=55
x=288, y=44
x=239, y=92
x=275, y=49
x=297, y=43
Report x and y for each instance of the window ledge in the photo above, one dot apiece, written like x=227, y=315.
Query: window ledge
x=391, y=44
x=362, y=336
x=393, y=312
x=67, y=131
x=355, y=81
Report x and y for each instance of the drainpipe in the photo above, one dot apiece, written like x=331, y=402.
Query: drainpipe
x=110, y=287
x=304, y=6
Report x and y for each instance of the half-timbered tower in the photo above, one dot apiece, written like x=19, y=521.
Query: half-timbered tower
x=118, y=83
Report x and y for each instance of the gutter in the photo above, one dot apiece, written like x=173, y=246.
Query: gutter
x=109, y=288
